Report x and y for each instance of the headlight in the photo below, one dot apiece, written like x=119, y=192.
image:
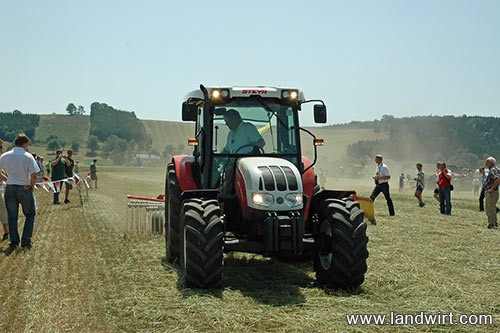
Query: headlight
x=262, y=199
x=291, y=95
x=215, y=93
x=293, y=199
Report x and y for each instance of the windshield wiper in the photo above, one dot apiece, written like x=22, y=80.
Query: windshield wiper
x=269, y=109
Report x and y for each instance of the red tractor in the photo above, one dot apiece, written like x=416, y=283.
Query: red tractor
x=247, y=188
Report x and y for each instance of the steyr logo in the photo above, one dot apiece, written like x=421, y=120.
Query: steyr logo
x=254, y=91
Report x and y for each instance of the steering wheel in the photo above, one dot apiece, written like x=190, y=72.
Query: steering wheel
x=256, y=149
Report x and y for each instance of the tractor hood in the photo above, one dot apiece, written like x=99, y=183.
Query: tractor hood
x=269, y=183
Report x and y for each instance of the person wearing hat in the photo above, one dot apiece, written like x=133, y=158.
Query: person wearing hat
x=381, y=179
x=243, y=137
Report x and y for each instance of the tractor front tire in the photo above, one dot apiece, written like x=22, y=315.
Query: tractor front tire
x=172, y=214
x=340, y=262
x=202, y=244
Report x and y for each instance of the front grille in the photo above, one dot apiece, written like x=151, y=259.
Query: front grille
x=279, y=178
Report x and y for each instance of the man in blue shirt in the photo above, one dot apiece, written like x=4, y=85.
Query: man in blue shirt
x=243, y=137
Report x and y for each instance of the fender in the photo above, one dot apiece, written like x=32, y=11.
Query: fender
x=241, y=192
x=184, y=172
x=308, y=182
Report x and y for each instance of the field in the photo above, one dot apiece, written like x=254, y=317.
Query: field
x=67, y=128
x=88, y=273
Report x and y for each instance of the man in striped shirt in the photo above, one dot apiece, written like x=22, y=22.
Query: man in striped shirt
x=491, y=192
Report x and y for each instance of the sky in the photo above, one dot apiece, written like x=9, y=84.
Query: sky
x=363, y=58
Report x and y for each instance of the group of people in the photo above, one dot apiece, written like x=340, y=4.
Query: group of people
x=442, y=192
x=19, y=172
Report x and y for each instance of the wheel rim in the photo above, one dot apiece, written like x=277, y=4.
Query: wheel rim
x=326, y=258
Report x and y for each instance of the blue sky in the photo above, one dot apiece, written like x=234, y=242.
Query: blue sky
x=363, y=58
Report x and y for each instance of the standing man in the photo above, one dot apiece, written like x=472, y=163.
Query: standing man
x=3, y=210
x=58, y=166
x=491, y=192
x=93, y=173
x=70, y=164
x=420, y=179
x=20, y=168
x=401, y=182
x=444, y=188
x=484, y=175
x=381, y=179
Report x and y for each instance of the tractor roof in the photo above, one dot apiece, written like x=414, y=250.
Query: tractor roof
x=245, y=91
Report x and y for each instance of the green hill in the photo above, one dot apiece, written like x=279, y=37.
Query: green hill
x=67, y=128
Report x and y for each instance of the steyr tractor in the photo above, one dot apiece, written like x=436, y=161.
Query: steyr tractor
x=247, y=188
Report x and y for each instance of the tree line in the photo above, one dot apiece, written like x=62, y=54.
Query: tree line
x=11, y=124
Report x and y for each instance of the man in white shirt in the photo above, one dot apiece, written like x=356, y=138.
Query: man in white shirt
x=21, y=170
x=244, y=137
x=381, y=179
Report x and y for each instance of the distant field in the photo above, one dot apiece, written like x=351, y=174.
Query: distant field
x=166, y=133
x=336, y=140
x=67, y=128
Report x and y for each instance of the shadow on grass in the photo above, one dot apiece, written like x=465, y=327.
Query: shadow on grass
x=267, y=281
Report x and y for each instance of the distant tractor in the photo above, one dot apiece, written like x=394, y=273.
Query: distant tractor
x=248, y=188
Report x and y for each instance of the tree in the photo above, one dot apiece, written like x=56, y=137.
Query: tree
x=71, y=109
x=116, y=148
x=93, y=143
x=169, y=151
x=75, y=146
x=53, y=144
x=80, y=110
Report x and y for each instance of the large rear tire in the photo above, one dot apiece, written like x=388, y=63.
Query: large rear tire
x=202, y=244
x=341, y=260
x=172, y=214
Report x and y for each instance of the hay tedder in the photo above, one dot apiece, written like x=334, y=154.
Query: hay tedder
x=145, y=214
x=247, y=188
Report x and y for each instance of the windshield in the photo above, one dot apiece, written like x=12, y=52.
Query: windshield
x=250, y=127
x=254, y=126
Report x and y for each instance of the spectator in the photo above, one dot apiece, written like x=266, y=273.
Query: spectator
x=401, y=182
x=491, y=192
x=484, y=176
x=3, y=209
x=444, y=188
x=39, y=174
x=435, y=180
x=48, y=168
x=77, y=167
x=20, y=168
x=381, y=179
x=93, y=173
x=58, y=166
x=476, y=183
x=420, y=179
x=70, y=164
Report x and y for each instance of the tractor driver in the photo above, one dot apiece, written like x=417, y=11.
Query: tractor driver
x=243, y=137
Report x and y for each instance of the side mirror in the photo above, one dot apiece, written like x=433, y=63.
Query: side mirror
x=320, y=114
x=189, y=111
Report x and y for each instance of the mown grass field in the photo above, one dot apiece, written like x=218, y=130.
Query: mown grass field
x=88, y=273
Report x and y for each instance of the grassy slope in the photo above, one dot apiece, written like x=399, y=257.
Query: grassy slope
x=169, y=132
x=66, y=128
x=88, y=272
